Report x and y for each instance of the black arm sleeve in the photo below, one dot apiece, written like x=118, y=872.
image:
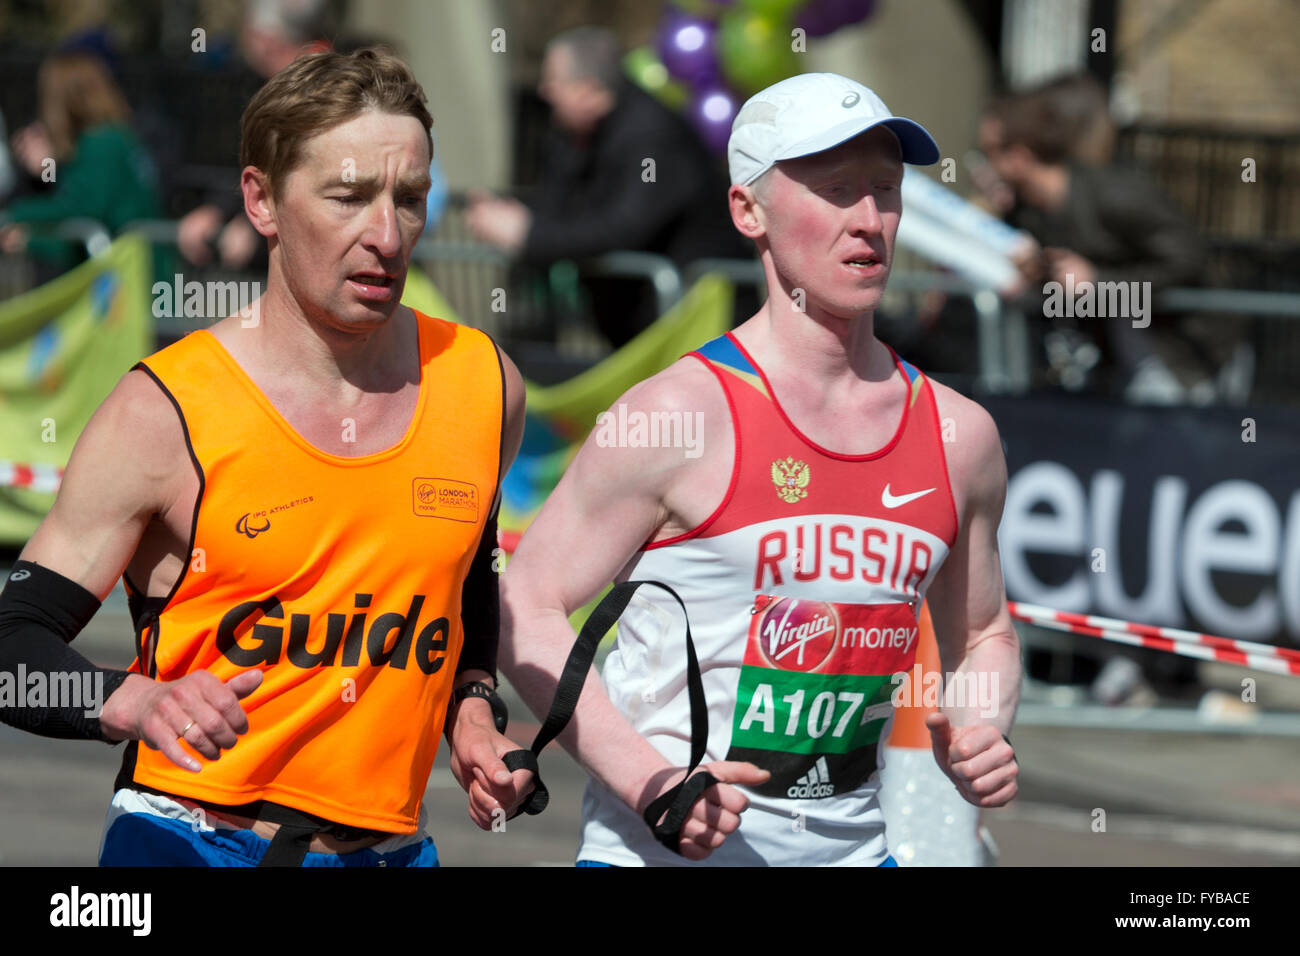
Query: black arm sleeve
x=40, y=612
x=480, y=606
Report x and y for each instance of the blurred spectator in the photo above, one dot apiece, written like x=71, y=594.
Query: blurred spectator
x=274, y=34
x=84, y=141
x=6, y=163
x=1081, y=105
x=1096, y=222
x=597, y=191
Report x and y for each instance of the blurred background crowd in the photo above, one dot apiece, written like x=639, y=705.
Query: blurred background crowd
x=1131, y=141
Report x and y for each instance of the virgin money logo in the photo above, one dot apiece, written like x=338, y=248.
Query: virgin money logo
x=798, y=635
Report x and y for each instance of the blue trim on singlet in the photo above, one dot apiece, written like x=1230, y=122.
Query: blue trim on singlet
x=142, y=839
x=910, y=370
x=723, y=351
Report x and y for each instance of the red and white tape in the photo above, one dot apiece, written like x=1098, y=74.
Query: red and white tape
x=33, y=477
x=1264, y=657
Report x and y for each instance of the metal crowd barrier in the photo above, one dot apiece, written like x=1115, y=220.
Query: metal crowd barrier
x=469, y=273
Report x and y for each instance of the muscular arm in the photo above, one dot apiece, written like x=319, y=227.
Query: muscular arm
x=127, y=468
x=972, y=625
x=113, y=485
x=122, y=472
x=608, y=504
x=968, y=605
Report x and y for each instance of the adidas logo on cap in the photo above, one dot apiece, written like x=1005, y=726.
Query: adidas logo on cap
x=816, y=783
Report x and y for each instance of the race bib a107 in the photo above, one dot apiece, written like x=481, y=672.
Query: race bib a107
x=814, y=691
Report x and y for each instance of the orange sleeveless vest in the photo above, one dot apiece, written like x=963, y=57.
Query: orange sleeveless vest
x=339, y=577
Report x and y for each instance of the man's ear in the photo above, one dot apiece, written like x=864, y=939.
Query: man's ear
x=259, y=204
x=746, y=214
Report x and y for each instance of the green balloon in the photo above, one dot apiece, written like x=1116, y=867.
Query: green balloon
x=756, y=51
x=777, y=9
x=644, y=68
x=706, y=9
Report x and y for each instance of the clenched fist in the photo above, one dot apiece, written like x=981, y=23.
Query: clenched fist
x=981, y=764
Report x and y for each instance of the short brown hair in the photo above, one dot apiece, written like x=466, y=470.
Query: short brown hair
x=318, y=92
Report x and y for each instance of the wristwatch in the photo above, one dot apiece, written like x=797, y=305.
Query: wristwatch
x=500, y=716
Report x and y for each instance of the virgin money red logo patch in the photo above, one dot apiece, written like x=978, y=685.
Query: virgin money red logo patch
x=797, y=635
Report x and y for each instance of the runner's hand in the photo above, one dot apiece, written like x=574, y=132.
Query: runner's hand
x=716, y=814
x=199, y=707
x=476, y=751
x=976, y=759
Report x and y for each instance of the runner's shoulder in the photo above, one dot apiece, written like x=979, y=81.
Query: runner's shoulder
x=136, y=428
x=664, y=427
x=685, y=386
x=970, y=439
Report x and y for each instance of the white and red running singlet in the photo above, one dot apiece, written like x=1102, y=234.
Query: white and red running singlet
x=803, y=588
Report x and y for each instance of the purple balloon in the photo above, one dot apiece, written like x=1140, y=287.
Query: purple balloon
x=819, y=18
x=687, y=47
x=711, y=112
x=858, y=10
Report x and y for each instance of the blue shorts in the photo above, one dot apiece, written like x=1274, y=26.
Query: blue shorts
x=889, y=861
x=142, y=839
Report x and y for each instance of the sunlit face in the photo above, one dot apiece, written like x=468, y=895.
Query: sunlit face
x=830, y=220
x=349, y=215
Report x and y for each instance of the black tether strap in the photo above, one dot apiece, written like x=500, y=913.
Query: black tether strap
x=674, y=805
x=290, y=843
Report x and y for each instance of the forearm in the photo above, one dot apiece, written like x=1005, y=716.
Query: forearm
x=480, y=609
x=984, y=687
x=599, y=736
x=471, y=709
x=55, y=689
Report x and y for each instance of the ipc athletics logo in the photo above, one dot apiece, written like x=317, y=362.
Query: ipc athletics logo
x=252, y=529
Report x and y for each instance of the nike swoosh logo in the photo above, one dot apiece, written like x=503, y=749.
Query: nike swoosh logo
x=897, y=501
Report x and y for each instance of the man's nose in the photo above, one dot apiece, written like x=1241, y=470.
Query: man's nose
x=866, y=215
x=381, y=228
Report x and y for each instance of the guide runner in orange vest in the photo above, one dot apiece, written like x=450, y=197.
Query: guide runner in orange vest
x=302, y=501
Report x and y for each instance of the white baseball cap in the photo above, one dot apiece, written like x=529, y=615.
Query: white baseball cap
x=811, y=112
